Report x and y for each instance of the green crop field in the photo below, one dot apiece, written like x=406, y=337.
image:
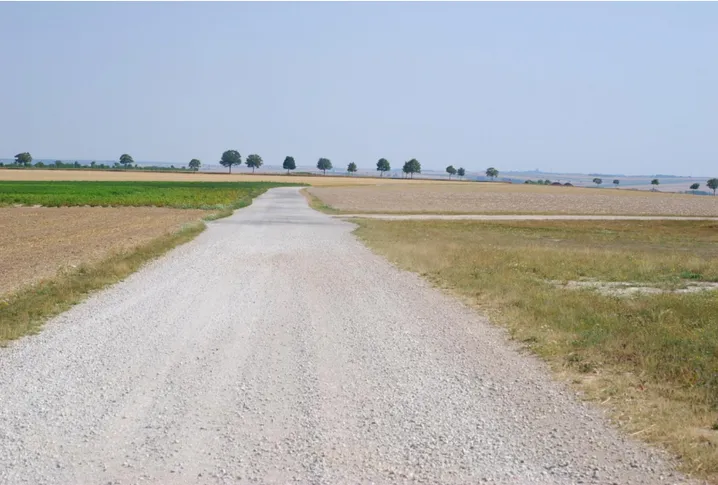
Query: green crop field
x=182, y=195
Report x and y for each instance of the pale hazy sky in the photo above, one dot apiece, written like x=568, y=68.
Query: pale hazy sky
x=585, y=87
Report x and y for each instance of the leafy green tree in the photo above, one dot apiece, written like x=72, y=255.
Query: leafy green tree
x=254, y=161
x=231, y=158
x=324, y=164
x=597, y=181
x=23, y=158
x=352, y=167
x=126, y=160
x=461, y=172
x=93, y=164
x=289, y=164
x=616, y=182
x=451, y=171
x=411, y=167
x=655, y=183
x=194, y=164
x=695, y=187
x=547, y=182
x=39, y=165
x=713, y=185
x=492, y=173
x=383, y=166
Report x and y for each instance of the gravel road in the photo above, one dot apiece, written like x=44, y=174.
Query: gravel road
x=275, y=348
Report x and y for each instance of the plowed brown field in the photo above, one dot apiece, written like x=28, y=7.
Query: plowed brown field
x=490, y=198
x=38, y=242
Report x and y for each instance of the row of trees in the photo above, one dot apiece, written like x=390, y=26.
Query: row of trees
x=232, y=158
x=711, y=184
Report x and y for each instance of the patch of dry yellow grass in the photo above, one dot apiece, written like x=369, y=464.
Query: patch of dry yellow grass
x=106, y=175
x=488, y=198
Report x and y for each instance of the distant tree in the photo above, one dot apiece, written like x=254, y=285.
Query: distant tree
x=58, y=163
x=616, y=182
x=76, y=164
x=597, y=181
x=254, y=161
x=461, y=172
x=547, y=182
x=383, y=166
x=93, y=164
x=194, y=164
x=352, y=167
x=289, y=164
x=23, y=158
x=655, y=183
x=324, y=164
x=492, y=173
x=411, y=167
x=713, y=185
x=126, y=160
x=451, y=171
x=39, y=165
x=231, y=158
x=695, y=187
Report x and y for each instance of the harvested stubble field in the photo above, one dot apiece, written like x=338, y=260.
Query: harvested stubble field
x=37, y=242
x=138, y=176
x=488, y=198
x=650, y=358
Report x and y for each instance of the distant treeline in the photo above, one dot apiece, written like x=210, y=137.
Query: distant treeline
x=59, y=164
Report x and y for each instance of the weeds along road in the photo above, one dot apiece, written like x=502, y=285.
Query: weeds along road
x=275, y=348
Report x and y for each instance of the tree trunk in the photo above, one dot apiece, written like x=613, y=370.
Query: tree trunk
x=253, y=169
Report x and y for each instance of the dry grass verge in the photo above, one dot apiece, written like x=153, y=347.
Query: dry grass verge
x=25, y=311
x=317, y=204
x=476, y=198
x=650, y=358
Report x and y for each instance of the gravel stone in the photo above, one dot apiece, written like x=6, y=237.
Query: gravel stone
x=275, y=348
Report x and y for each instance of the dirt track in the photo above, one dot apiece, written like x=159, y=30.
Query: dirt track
x=275, y=348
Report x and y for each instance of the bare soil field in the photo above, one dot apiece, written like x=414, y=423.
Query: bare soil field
x=490, y=198
x=99, y=175
x=37, y=242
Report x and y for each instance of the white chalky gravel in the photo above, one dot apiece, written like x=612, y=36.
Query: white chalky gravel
x=275, y=348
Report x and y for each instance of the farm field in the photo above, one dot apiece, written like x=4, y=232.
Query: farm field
x=137, y=176
x=610, y=305
x=63, y=239
x=38, y=242
x=182, y=195
x=494, y=198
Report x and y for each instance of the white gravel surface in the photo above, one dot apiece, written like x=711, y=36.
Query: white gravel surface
x=275, y=348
